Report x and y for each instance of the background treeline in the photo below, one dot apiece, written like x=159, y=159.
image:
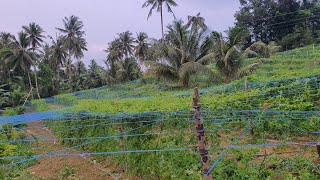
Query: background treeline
x=36, y=65
x=291, y=23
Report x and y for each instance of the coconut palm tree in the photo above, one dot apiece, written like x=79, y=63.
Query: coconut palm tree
x=142, y=46
x=35, y=35
x=180, y=56
x=158, y=5
x=59, y=54
x=20, y=57
x=196, y=22
x=73, y=38
x=228, y=54
x=35, y=38
x=126, y=43
x=115, y=54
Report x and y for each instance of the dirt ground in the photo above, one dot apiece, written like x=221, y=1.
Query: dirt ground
x=51, y=167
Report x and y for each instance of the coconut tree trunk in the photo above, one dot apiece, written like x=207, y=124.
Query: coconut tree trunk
x=162, y=22
x=69, y=66
x=30, y=84
x=36, y=80
x=35, y=75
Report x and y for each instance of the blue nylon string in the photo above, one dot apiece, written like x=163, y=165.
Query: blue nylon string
x=101, y=137
x=224, y=152
x=74, y=147
x=173, y=149
x=84, y=138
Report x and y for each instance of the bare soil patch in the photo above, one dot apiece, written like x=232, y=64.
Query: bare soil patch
x=51, y=167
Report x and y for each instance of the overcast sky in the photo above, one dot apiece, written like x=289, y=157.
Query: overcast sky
x=103, y=19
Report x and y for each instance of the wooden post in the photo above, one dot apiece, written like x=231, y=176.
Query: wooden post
x=246, y=89
x=200, y=135
x=313, y=47
x=318, y=148
x=122, y=146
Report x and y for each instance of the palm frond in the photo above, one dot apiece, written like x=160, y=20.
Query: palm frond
x=207, y=59
x=249, y=69
x=192, y=68
x=161, y=70
x=248, y=53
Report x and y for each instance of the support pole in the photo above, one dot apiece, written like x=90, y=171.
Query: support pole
x=200, y=135
x=313, y=47
x=122, y=145
x=246, y=89
x=318, y=148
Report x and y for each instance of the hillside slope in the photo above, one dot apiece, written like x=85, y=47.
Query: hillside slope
x=146, y=130
x=139, y=97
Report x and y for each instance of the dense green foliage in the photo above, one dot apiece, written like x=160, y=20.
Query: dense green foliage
x=291, y=23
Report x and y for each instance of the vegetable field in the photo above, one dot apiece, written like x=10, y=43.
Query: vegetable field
x=265, y=127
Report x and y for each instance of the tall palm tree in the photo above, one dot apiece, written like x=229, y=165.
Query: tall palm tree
x=126, y=43
x=35, y=35
x=73, y=38
x=6, y=41
x=59, y=54
x=196, y=22
x=158, y=5
x=35, y=38
x=115, y=54
x=142, y=46
x=20, y=56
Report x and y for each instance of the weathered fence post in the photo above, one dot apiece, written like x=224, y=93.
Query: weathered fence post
x=246, y=89
x=200, y=135
x=122, y=146
x=318, y=148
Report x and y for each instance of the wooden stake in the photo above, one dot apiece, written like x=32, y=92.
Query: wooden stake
x=246, y=88
x=122, y=146
x=313, y=47
x=318, y=148
x=200, y=135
